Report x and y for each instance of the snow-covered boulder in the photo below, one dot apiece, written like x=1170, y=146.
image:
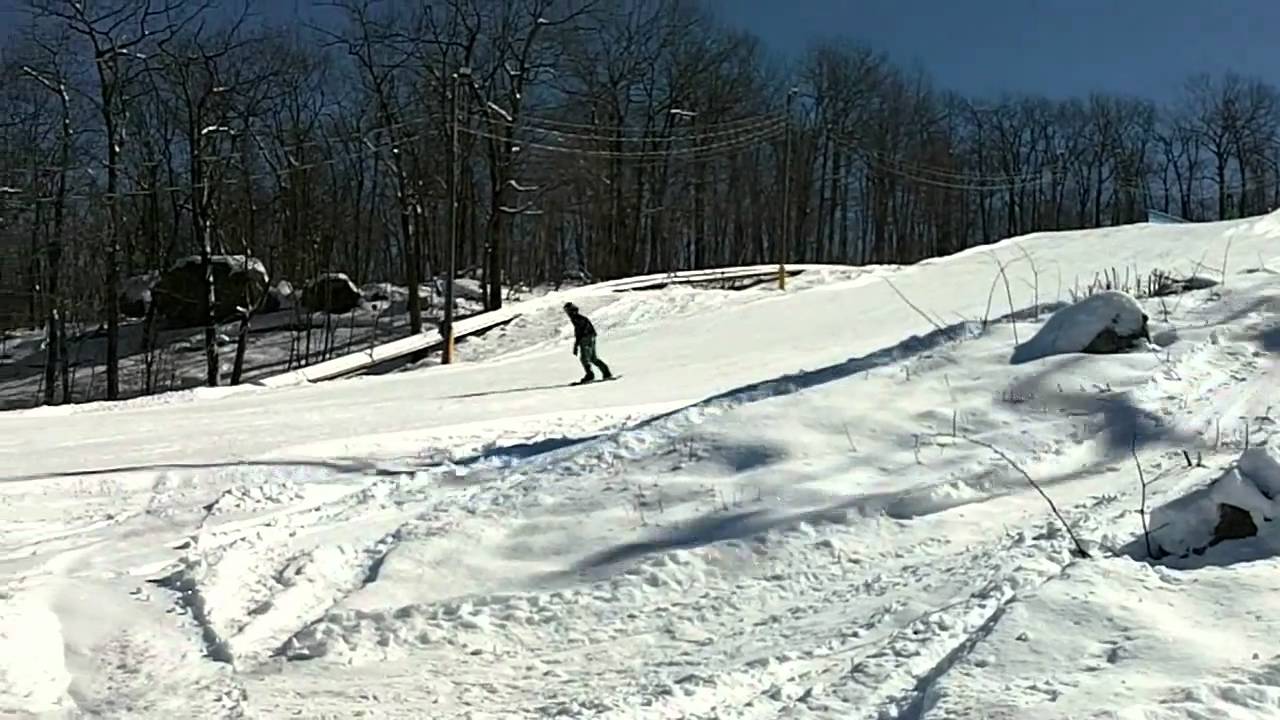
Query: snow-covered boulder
x=332, y=293
x=1232, y=507
x=1108, y=322
x=384, y=292
x=469, y=289
x=135, y=294
x=181, y=297
x=279, y=297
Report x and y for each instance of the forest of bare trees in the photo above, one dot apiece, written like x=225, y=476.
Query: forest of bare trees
x=580, y=138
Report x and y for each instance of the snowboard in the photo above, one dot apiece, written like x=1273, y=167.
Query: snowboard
x=597, y=380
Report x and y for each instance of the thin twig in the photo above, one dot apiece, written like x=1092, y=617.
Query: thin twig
x=915, y=307
x=849, y=436
x=1194, y=270
x=991, y=294
x=1013, y=312
x=1031, y=481
x=1225, y=254
x=1142, y=480
x=1035, y=274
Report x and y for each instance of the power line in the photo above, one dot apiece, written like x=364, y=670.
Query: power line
x=700, y=152
x=948, y=174
x=535, y=120
x=952, y=180
x=727, y=137
x=753, y=139
x=710, y=132
x=235, y=179
x=364, y=137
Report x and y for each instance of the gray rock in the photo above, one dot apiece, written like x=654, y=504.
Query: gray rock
x=182, y=300
x=1110, y=341
x=332, y=293
x=1234, y=523
x=135, y=294
x=279, y=297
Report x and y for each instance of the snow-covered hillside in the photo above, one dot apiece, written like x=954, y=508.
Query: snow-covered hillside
x=816, y=503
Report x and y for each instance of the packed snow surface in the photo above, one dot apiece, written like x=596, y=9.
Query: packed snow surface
x=810, y=503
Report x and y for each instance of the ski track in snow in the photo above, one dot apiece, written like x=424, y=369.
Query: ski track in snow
x=898, y=675
x=762, y=552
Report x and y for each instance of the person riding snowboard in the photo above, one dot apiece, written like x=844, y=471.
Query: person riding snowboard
x=584, y=344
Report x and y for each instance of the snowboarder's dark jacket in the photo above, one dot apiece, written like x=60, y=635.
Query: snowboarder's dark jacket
x=582, y=327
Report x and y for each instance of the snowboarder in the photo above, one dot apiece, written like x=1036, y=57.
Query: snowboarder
x=584, y=344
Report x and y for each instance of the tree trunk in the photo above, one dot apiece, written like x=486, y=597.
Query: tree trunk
x=242, y=344
x=113, y=251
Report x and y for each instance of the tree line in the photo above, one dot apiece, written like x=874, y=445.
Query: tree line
x=543, y=140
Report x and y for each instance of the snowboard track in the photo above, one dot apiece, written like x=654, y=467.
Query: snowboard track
x=507, y=467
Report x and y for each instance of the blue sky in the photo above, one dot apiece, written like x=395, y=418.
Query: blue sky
x=983, y=47
x=1049, y=47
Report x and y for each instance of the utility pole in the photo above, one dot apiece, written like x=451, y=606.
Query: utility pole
x=786, y=198
x=678, y=114
x=446, y=327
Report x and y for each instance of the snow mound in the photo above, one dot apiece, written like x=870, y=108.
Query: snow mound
x=1085, y=327
x=1267, y=225
x=1263, y=467
x=255, y=497
x=469, y=289
x=1233, y=506
x=354, y=636
x=34, y=679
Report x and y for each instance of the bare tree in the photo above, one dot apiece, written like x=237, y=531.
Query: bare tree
x=375, y=44
x=595, y=138
x=205, y=73
x=52, y=75
x=517, y=59
x=119, y=33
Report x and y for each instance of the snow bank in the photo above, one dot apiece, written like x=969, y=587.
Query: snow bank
x=1216, y=512
x=1076, y=327
x=1267, y=225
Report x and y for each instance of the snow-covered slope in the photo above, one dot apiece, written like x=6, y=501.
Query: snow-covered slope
x=810, y=504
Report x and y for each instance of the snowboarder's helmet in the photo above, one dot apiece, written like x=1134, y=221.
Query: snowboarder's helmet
x=570, y=308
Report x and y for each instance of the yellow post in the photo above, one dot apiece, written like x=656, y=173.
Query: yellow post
x=449, y=342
